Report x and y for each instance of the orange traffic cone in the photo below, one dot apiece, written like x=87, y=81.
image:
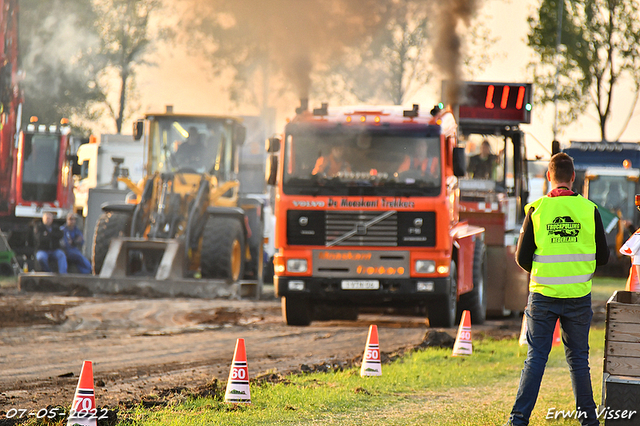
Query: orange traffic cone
x=83, y=410
x=371, y=365
x=238, y=383
x=557, y=339
x=463, y=346
x=523, y=332
x=632, y=282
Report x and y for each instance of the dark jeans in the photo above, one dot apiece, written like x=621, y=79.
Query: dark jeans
x=575, y=319
x=43, y=256
x=74, y=256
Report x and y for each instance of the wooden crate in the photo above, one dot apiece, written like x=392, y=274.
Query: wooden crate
x=621, y=375
x=622, y=335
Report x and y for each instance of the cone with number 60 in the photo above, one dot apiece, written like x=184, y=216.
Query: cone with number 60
x=83, y=409
x=463, y=346
x=371, y=365
x=238, y=383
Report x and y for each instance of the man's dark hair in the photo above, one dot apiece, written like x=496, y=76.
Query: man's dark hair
x=561, y=168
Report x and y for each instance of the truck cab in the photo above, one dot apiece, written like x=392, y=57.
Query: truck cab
x=367, y=204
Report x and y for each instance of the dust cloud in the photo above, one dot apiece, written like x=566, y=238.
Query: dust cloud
x=447, y=52
x=302, y=35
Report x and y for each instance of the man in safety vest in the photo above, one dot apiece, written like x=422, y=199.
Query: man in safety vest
x=333, y=163
x=561, y=242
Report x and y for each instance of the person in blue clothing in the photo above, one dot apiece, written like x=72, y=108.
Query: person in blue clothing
x=47, y=244
x=72, y=242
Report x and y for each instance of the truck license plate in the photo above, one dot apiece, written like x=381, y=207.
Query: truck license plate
x=360, y=284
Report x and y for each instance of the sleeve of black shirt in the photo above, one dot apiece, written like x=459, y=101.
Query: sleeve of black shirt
x=526, y=244
x=602, y=248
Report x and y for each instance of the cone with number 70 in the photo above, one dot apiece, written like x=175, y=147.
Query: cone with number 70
x=463, y=345
x=238, y=383
x=371, y=365
x=83, y=409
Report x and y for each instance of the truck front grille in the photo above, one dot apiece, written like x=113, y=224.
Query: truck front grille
x=360, y=228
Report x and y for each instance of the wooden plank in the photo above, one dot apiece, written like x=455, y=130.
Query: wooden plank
x=627, y=297
x=624, y=332
x=623, y=313
x=623, y=349
x=622, y=366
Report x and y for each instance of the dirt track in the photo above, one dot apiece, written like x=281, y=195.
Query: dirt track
x=142, y=347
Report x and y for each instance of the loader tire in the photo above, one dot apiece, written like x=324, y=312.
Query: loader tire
x=222, y=249
x=110, y=225
x=475, y=301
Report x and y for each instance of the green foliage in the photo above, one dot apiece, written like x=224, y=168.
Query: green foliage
x=599, y=48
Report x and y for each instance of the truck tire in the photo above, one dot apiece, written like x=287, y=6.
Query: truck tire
x=475, y=301
x=442, y=312
x=222, y=253
x=296, y=311
x=110, y=225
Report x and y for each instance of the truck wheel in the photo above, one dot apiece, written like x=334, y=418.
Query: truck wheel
x=296, y=311
x=442, y=312
x=475, y=301
x=110, y=225
x=222, y=249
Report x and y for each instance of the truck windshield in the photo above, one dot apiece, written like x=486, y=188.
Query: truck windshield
x=190, y=144
x=616, y=193
x=373, y=162
x=40, y=167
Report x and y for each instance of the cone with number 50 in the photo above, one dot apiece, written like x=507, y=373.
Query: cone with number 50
x=371, y=365
x=83, y=409
x=463, y=345
x=238, y=383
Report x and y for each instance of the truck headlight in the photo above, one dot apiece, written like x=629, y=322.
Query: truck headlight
x=297, y=265
x=425, y=266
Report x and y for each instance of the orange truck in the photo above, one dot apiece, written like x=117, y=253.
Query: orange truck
x=367, y=216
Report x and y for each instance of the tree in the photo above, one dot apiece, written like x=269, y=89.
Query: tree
x=397, y=61
x=390, y=65
x=126, y=37
x=600, y=42
x=57, y=42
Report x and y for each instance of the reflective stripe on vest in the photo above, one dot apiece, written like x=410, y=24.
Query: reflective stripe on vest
x=565, y=256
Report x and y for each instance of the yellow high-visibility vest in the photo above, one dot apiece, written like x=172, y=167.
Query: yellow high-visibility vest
x=565, y=257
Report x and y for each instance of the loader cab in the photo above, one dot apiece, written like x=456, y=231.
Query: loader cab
x=193, y=144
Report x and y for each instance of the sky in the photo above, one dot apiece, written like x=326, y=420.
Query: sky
x=507, y=21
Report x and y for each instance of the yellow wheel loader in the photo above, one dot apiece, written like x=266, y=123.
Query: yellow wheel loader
x=185, y=229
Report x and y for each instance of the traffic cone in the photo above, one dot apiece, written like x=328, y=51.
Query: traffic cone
x=83, y=410
x=557, y=339
x=632, y=282
x=238, y=383
x=371, y=365
x=523, y=332
x=463, y=346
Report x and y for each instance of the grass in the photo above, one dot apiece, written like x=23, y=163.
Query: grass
x=424, y=387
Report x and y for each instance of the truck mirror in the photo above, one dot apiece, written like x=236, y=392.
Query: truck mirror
x=138, y=127
x=555, y=147
x=239, y=135
x=271, y=169
x=273, y=144
x=459, y=162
